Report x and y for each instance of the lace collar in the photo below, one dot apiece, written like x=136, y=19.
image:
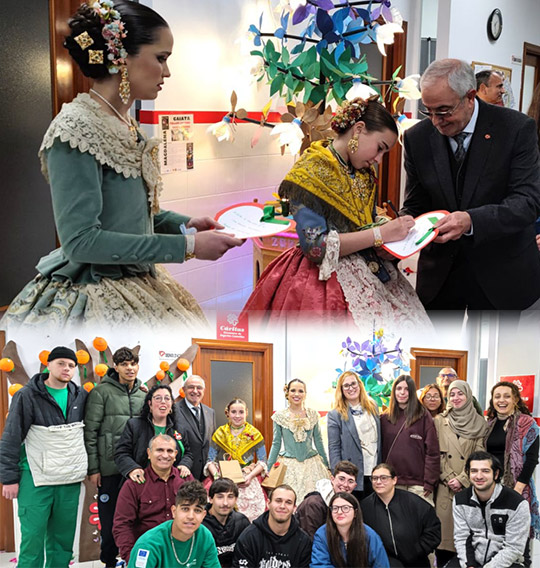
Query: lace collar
x=298, y=426
x=88, y=128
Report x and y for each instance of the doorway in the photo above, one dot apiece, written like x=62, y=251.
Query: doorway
x=427, y=363
x=530, y=74
x=233, y=369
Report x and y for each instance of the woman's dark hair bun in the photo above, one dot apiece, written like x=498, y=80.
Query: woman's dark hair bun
x=86, y=20
x=141, y=26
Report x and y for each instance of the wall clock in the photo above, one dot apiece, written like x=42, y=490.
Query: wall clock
x=494, y=25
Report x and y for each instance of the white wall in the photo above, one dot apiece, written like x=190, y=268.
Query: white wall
x=462, y=32
x=206, y=65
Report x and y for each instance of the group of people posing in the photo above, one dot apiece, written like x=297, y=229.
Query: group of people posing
x=405, y=483
x=477, y=161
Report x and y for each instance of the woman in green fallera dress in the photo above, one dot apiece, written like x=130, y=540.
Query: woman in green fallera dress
x=105, y=184
x=297, y=429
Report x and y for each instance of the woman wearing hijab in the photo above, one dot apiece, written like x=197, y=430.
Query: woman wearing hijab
x=461, y=431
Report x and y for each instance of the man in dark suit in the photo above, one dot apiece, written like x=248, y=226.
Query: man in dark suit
x=481, y=163
x=198, y=422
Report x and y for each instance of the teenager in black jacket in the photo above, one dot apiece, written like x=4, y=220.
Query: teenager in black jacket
x=407, y=524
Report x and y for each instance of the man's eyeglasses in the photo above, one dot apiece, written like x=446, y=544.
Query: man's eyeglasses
x=440, y=113
x=162, y=398
x=447, y=375
x=382, y=478
x=342, y=508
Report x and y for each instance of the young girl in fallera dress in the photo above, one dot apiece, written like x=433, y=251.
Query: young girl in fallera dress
x=339, y=270
x=296, y=431
x=239, y=440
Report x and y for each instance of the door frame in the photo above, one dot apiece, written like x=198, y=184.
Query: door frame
x=262, y=385
x=529, y=49
x=438, y=358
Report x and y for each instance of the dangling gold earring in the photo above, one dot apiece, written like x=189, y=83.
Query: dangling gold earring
x=352, y=144
x=123, y=88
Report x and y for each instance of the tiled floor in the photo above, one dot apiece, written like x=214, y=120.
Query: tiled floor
x=7, y=560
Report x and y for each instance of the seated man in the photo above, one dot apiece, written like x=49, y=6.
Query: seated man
x=407, y=524
x=275, y=538
x=141, y=507
x=311, y=513
x=222, y=520
x=491, y=522
x=182, y=541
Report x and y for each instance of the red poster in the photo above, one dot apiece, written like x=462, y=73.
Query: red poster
x=231, y=326
x=525, y=384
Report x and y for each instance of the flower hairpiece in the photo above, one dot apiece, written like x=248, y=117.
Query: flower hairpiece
x=113, y=32
x=348, y=114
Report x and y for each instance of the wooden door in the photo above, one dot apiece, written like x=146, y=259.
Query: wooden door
x=428, y=362
x=233, y=369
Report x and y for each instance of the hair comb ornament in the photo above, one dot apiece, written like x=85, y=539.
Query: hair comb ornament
x=95, y=56
x=84, y=40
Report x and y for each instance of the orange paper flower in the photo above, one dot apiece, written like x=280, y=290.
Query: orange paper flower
x=6, y=365
x=43, y=356
x=101, y=369
x=183, y=364
x=14, y=388
x=164, y=366
x=160, y=375
x=100, y=344
x=82, y=357
x=88, y=386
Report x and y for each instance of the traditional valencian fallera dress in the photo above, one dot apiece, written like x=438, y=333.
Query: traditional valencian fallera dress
x=244, y=448
x=105, y=186
x=305, y=464
x=327, y=198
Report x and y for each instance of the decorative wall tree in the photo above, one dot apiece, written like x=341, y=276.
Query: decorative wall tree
x=315, y=56
x=376, y=364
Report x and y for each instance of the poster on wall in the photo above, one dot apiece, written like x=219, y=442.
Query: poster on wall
x=176, y=150
x=525, y=384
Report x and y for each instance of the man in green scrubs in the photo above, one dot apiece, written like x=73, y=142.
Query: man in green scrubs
x=43, y=460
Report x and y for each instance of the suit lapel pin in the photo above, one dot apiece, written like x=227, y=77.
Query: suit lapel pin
x=487, y=136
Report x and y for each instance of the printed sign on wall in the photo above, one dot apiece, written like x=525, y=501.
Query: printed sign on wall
x=525, y=384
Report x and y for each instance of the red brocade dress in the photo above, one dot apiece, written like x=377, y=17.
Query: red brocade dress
x=311, y=281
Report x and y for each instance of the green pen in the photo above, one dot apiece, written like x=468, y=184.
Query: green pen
x=428, y=232
x=425, y=236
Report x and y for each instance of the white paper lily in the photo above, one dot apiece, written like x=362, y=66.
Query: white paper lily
x=290, y=134
x=404, y=123
x=361, y=90
x=222, y=130
x=385, y=35
x=408, y=87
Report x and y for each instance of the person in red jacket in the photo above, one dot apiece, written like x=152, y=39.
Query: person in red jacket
x=409, y=440
x=142, y=506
